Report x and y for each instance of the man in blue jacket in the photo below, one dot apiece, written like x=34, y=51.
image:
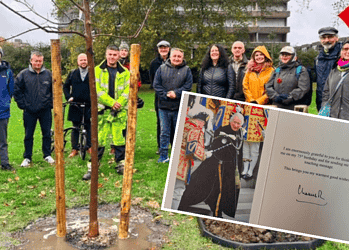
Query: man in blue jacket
x=327, y=57
x=171, y=79
x=6, y=91
x=33, y=94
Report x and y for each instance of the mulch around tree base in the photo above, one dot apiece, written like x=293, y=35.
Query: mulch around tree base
x=145, y=230
x=247, y=234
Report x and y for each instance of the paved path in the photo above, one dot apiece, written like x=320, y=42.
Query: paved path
x=243, y=209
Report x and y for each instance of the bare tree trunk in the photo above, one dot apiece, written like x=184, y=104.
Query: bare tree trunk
x=130, y=142
x=93, y=228
x=59, y=145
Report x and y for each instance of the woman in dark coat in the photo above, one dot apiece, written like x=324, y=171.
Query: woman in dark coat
x=289, y=82
x=340, y=102
x=214, y=181
x=217, y=77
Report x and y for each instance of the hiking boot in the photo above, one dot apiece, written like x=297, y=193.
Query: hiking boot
x=7, y=167
x=26, y=162
x=120, y=167
x=120, y=170
x=87, y=176
x=73, y=153
x=50, y=160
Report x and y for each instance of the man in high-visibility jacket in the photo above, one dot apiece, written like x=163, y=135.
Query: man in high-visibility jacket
x=112, y=86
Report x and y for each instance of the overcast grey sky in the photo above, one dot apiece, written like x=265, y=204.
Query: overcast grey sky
x=304, y=23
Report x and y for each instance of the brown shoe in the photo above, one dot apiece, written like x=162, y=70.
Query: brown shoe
x=89, y=150
x=112, y=151
x=73, y=153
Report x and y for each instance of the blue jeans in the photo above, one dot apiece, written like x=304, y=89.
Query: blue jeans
x=168, y=120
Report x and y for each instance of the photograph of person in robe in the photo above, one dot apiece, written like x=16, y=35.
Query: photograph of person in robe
x=214, y=181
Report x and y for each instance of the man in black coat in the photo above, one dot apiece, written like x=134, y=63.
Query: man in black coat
x=238, y=62
x=33, y=94
x=77, y=89
x=163, y=54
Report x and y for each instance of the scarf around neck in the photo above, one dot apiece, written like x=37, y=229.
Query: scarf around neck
x=343, y=65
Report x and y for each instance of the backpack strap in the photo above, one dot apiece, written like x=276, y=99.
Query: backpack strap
x=298, y=71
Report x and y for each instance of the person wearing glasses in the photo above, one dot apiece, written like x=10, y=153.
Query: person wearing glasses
x=338, y=77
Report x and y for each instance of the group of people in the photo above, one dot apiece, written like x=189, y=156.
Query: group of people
x=237, y=78
x=32, y=90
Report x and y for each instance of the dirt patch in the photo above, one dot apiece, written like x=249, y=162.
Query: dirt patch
x=145, y=232
x=247, y=234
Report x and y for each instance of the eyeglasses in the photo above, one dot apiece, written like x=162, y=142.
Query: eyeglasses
x=285, y=54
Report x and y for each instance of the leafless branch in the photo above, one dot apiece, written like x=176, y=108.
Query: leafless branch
x=31, y=8
x=138, y=31
x=44, y=28
x=20, y=34
x=77, y=5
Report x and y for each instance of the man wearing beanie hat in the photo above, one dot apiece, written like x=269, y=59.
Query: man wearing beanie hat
x=326, y=59
x=6, y=90
x=164, y=48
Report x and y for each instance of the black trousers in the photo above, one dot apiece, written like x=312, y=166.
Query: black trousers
x=30, y=119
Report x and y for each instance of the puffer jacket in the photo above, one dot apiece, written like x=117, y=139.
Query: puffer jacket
x=6, y=89
x=253, y=84
x=33, y=91
x=323, y=64
x=340, y=103
x=177, y=79
x=286, y=82
x=217, y=81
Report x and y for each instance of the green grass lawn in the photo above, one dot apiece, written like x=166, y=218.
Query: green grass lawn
x=29, y=193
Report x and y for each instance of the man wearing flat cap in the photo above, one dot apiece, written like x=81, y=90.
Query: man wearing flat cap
x=163, y=54
x=326, y=59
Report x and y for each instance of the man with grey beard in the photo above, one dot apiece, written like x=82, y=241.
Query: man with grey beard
x=326, y=59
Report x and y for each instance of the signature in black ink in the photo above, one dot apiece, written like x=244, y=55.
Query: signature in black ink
x=319, y=199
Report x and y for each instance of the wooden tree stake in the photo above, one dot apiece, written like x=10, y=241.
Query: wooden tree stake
x=93, y=226
x=59, y=145
x=130, y=142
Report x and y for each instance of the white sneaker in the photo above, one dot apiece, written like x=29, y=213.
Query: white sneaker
x=50, y=160
x=26, y=162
